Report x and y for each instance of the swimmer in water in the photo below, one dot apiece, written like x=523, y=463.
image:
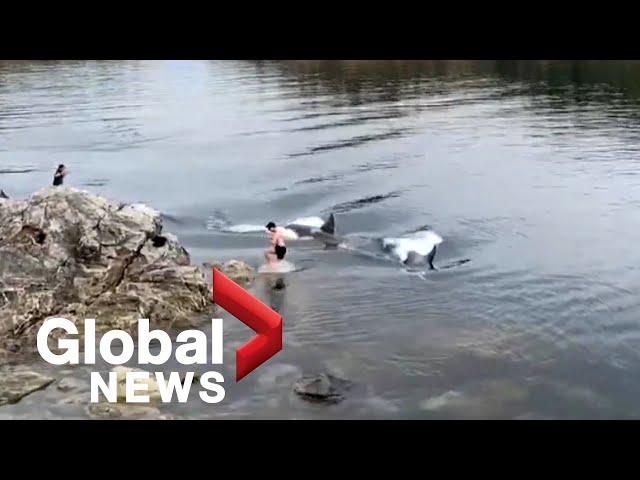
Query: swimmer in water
x=58, y=177
x=277, y=248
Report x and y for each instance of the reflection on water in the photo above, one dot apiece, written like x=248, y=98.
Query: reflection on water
x=529, y=169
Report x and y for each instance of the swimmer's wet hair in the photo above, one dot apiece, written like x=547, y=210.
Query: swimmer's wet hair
x=270, y=225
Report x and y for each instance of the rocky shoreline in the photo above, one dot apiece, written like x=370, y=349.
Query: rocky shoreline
x=66, y=252
x=69, y=253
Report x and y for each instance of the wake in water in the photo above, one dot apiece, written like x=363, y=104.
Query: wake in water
x=218, y=220
x=286, y=267
x=421, y=243
x=413, y=250
x=242, y=228
x=290, y=235
x=283, y=266
x=455, y=263
x=417, y=248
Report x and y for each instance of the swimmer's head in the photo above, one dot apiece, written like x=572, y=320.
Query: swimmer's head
x=271, y=226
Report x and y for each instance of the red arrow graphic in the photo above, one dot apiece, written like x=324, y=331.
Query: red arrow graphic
x=256, y=315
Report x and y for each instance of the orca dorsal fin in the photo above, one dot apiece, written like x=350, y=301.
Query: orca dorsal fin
x=329, y=226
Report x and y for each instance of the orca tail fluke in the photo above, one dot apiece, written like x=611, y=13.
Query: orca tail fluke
x=329, y=226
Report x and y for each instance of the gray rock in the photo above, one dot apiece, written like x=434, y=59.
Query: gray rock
x=69, y=384
x=17, y=384
x=239, y=271
x=323, y=388
x=69, y=253
x=106, y=410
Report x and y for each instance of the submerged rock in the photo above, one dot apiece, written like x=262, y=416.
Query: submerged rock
x=323, y=388
x=69, y=253
x=278, y=284
x=489, y=399
x=447, y=399
x=74, y=400
x=17, y=384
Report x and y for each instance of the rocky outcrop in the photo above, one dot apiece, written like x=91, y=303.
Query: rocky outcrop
x=240, y=272
x=66, y=252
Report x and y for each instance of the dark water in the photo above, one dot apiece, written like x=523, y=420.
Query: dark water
x=529, y=169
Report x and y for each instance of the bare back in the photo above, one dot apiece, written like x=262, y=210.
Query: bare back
x=277, y=237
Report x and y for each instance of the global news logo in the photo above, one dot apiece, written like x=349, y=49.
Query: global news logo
x=193, y=348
